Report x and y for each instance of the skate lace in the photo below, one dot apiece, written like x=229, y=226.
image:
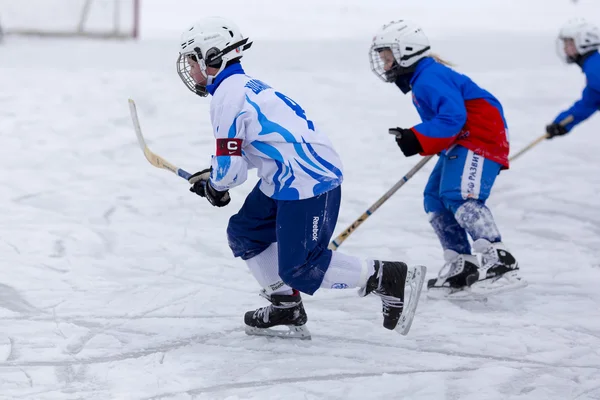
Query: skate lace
x=450, y=267
x=387, y=300
x=263, y=313
x=489, y=258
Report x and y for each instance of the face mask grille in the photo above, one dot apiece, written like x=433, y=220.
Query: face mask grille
x=380, y=56
x=183, y=70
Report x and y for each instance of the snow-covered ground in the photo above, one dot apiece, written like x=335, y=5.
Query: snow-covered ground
x=117, y=283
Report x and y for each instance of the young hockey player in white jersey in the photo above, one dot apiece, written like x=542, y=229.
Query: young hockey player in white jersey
x=283, y=229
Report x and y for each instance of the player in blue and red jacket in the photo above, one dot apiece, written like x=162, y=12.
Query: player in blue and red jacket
x=465, y=125
x=578, y=43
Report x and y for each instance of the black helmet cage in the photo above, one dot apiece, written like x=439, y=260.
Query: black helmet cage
x=396, y=70
x=377, y=64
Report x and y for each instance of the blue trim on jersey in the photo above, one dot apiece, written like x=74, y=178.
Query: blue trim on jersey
x=233, y=128
x=324, y=184
x=332, y=168
x=268, y=150
x=233, y=69
x=284, y=172
x=269, y=126
x=276, y=180
x=223, y=164
x=287, y=192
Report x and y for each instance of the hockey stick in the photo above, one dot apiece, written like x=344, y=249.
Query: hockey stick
x=344, y=235
x=152, y=158
x=564, y=122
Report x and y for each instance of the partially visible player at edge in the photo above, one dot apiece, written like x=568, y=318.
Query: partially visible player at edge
x=284, y=226
x=578, y=43
x=464, y=124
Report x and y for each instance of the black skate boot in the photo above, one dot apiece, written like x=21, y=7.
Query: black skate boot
x=285, y=310
x=389, y=282
x=499, y=270
x=458, y=274
x=496, y=260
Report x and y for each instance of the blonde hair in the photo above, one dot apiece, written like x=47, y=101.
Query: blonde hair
x=441, y=60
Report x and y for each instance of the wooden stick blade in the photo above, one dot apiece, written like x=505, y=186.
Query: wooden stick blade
x=152, y=158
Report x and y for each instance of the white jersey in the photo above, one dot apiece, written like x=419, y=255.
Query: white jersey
x=258, y=127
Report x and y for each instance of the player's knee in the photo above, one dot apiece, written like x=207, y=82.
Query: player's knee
x=432, y=203
x=452, y=200
x=240, y=244
x=236, y=243
x=305, y=275
x=293, y=274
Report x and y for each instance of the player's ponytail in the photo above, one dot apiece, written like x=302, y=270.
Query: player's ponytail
x=441, y=60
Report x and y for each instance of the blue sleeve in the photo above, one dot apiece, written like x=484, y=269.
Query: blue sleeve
x=582, y=109
x=449, y=114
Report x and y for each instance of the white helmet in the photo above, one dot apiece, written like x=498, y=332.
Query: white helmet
x=212, y=42
x=585, y=36
x=408, y=44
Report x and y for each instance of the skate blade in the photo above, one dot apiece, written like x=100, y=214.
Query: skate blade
x=293, y=332
x=447, y=293
x=506, y=283
x=480, y=290
x=415, y=278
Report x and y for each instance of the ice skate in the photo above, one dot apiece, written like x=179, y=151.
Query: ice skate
x=455, y=278
x=389, y=282
x=285, y=311
x=499, y=271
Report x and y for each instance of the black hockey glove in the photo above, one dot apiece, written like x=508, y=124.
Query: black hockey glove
x=407, y=141
x=201, y=186
x=555, y=130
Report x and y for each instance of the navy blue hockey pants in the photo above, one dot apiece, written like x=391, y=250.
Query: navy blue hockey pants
x=301, y=228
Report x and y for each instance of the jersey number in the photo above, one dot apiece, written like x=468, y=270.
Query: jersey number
x=296, y=108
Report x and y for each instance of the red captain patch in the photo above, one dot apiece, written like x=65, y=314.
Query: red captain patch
x=229, y=147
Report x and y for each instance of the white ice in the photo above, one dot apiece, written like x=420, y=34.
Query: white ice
x=117, y=283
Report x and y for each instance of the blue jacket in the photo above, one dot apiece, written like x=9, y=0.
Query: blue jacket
x=454, y=110
x=590, y=99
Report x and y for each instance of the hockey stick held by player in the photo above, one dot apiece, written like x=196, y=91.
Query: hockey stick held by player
x=284, y=226
x=337, y=242
x=463, y=124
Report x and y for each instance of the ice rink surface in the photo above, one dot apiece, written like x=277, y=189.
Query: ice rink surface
x=117, y=283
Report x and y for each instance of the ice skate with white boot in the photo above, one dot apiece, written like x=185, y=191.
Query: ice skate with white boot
x=390, y=281
x=455, y=278
x=285, y=311
x=499, y=270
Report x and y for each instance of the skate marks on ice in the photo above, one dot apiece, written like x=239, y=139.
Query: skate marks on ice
x=419, y=363
x=345, y=361
x=12, y=300
x=227, y=387
x=6, y=348
x=159, y=348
